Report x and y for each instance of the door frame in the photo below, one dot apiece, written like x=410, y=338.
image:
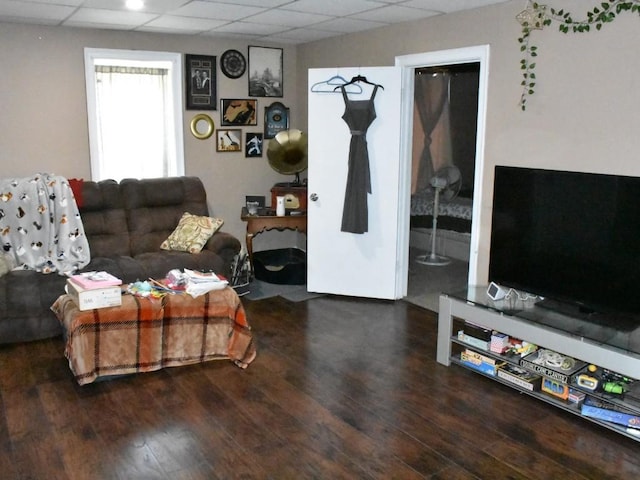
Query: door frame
x=408, y=64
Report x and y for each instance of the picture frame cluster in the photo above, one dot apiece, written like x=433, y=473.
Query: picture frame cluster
x=264, y=68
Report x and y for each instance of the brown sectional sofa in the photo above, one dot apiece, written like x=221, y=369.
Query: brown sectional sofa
x=124, y=223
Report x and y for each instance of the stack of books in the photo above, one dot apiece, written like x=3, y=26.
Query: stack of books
x=91, y=290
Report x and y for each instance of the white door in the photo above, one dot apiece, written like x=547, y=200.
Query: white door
x=362, y=265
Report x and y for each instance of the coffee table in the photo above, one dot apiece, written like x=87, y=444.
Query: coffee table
x=147, y=334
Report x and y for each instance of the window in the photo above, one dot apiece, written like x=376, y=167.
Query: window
x=134, y=104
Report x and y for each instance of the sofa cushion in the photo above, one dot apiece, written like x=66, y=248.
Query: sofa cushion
x=192, y=233
x=104, y=219
x=154, y=208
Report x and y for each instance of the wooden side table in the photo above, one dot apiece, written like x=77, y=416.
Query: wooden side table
x=260, y=223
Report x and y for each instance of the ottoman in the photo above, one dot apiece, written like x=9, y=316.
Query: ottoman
x=147, y=334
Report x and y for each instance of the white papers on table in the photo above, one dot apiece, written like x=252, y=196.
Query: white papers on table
x=199, y=283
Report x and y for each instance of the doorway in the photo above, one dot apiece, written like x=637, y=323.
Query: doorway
x=472, y=61
x=444, y=144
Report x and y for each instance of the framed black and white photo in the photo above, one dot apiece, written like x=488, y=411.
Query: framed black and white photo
x=253, y=144
x=239, y=111
x=201, y=82
x=228, y=140
x=265, y=72
x=276, y=119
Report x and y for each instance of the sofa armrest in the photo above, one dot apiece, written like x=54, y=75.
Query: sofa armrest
x=221, y=241
x=226, y=246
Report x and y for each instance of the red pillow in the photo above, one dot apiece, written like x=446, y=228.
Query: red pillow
x=76, y=188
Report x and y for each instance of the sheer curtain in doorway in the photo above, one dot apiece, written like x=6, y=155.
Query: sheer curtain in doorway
x=431, y=127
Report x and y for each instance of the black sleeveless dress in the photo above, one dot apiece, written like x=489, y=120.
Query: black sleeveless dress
x=358, y=115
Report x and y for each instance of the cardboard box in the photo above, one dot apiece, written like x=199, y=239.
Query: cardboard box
x=473, y=341
x=479, y=362
x=626, y=419
x=532, y=362
x=521, y=377
x=94, y=298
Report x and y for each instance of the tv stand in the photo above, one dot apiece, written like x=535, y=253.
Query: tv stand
x=617, y=321
x=474, y=306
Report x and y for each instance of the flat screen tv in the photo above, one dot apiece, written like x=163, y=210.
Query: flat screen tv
x=573, y=238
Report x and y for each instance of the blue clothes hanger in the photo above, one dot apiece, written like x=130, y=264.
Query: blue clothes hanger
x=325, y=86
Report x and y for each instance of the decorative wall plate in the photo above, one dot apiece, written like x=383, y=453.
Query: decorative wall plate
x=233, y=64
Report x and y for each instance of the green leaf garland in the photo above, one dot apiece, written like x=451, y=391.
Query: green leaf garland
x=536, y=17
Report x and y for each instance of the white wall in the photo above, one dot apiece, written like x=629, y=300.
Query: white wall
x=582, y=116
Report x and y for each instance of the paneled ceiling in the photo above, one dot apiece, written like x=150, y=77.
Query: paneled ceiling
x=279, y=21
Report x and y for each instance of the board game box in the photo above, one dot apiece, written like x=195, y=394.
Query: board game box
x=553, y=365
x=520, y=376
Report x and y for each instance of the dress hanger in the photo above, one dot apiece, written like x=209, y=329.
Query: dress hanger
x=359, y=78
x=325, y=85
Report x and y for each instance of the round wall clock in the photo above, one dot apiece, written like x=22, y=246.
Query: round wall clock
x=233, y=64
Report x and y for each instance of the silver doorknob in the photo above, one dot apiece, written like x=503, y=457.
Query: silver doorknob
x=313, y=197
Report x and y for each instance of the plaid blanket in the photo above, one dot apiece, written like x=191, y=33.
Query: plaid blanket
x=147, y=334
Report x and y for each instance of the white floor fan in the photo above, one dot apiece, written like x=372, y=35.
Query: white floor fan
x=446, y=182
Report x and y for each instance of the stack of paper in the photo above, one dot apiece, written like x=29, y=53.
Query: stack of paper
x=199, y=283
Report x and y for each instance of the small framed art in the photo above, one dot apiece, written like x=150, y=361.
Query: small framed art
x=239, y=112
x=201, y=82
x=265, y=72
x=253, y=144
x=228, y=140
x=276, y=119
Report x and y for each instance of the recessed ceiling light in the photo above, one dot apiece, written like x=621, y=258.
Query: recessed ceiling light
x=135, y=4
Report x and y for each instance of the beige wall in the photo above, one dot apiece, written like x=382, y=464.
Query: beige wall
x=43, y=115
x=583, y=115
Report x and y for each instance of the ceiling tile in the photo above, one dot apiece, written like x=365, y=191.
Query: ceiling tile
x=182, y=24
x=109, y=17
x=69, y=3
x=291, y=19
x=219, y=11
x=395, y=14
x=306, y=34
x=150, y=6
x=251, y=28
x=447, y=6
x=254, y=3
x=348, y=25
x=336, y=7
x=21, y=11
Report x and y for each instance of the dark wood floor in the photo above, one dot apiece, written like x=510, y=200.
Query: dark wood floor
x=341, y=388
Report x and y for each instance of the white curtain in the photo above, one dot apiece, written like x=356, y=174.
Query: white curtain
x=135, y=122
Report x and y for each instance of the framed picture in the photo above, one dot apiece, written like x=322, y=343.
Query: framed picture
x=276, y=119
x=228, y=140
x=253, y=144
x=265, y=72
x=201, y=82
x=239, y=112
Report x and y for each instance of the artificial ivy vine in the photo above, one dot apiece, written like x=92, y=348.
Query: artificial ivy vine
x=536, y=17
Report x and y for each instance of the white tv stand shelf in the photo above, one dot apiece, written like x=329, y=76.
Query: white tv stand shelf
x=596, y=344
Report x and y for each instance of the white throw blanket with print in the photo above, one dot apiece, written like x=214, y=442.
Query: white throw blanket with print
x=40, y=224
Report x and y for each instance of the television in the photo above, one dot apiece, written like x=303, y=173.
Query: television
x=570, y=237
